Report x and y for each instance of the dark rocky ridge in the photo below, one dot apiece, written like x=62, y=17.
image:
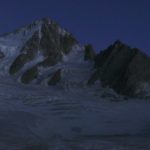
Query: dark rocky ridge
x=56, y=77
x=30, y=75
x=122, y=68
x=90, y=53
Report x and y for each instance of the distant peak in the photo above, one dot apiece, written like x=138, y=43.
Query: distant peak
x=44, y=20
x=118, y=43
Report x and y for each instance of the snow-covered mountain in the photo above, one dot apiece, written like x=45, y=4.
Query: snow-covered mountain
x=70, y=102
x=44, y=53
x=30, y=53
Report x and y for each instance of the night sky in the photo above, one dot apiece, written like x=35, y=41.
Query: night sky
x=99, y=22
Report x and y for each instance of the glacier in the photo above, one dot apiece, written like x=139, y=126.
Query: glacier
x=45, y=118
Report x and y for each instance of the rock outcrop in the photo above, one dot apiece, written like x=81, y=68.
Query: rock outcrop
x=56, y=77
x=30, y=75
x=89, y=53
x=122, y=68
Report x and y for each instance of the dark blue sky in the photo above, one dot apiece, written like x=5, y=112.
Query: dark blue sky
x=99, y=22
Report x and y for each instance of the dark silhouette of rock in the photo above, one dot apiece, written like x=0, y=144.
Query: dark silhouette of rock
x=30, y=75
x=66, y=43
x=122, y=68
x=50, y=60
x=56, y=77
x=89, y=52
x=93, y=78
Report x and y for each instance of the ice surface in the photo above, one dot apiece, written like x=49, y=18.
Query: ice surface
x=41, y=118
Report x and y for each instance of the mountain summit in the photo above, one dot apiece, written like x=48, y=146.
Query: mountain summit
x=27, y=51
x=125, y=69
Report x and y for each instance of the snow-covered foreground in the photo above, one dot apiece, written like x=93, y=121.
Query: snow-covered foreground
x=41, y=118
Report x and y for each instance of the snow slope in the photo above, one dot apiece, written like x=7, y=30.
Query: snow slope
x=44, y=118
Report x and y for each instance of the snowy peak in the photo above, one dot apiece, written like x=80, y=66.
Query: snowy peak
x=27, y=51
x=45, y=53
x=35, y=26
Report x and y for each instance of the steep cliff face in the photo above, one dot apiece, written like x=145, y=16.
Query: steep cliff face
x=122, y=68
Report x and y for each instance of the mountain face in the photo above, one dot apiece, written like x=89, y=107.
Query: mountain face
x=27, y=51
x=124, y=69
x=44, y=53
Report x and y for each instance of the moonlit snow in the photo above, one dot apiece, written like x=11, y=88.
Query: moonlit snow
x=70, y=115
x=42, y=118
